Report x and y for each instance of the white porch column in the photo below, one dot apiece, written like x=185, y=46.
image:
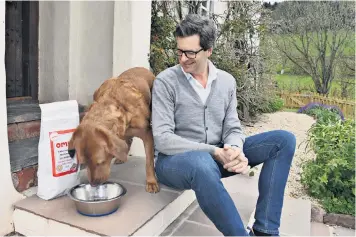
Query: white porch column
x=8, y=194
x=90, y=47
x=75, y=49
x=132, y=31
x=131, y=43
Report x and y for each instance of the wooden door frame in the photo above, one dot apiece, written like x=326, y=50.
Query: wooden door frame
x=30, y=61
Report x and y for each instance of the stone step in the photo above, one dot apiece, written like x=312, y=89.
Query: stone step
x=295, y=220
x=23, y=153
x=19, y=111
x=193, y=222
x=23, y=161
x=140, y=213
x=24, y=119
x=320, y=229
x=296, y=216
x=341, y=231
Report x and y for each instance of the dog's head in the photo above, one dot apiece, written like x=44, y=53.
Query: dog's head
x=96, y=147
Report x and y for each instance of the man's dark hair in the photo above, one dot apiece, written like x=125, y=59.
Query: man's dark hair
x=194, y=24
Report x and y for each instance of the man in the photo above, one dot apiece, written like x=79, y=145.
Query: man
x=199, y=140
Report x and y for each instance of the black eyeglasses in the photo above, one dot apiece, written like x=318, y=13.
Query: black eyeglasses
x=188, y=53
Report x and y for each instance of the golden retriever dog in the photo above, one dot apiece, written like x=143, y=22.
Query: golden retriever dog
x=120, y=111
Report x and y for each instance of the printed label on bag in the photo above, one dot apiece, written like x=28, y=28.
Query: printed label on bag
x=62, y=163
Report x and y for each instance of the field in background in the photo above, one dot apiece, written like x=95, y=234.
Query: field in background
x=304, y=84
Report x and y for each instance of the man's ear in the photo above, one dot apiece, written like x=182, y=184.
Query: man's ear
x=210, y=51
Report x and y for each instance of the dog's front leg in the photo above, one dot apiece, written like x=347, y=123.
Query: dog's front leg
x=128, y=142
x=151, y=180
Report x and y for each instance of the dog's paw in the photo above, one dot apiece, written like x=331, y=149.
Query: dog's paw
x=152, y=186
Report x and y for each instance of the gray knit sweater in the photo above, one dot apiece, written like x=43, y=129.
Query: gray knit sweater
x=181, y=122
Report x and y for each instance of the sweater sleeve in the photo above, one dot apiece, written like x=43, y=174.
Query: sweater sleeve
x=232, y=131
x=163, y=125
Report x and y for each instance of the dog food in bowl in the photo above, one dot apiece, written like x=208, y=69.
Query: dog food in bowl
x=100, y=200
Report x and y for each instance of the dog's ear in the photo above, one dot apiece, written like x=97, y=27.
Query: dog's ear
x=115, y=146
x=73, y=145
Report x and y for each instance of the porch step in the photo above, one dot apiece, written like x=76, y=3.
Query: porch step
x=295, y=219
x=141, y=213
x=320, y=229
x=24, y=119
x=193, y=222
x=22, y=111
x=23, y=153
x=25, y=110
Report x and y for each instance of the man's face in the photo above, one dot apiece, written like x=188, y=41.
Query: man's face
x=196, y=59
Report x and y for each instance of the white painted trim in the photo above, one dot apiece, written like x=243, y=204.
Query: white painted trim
x=29, y=224
x=8, y=194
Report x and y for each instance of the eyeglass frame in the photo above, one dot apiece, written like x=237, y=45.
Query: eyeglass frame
x=188, y=51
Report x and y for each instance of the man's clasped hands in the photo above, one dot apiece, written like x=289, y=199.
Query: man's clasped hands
x=232, y=158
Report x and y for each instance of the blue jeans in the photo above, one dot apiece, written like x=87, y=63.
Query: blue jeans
x=200, y=172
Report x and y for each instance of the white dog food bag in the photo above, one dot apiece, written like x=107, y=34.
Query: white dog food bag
x=57, y=171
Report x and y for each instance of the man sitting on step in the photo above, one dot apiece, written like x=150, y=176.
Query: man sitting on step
x=199, y=140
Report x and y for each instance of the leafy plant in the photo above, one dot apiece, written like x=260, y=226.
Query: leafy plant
x=331, y=176
x=274, y=104
x=322, y=112
x=162, y=41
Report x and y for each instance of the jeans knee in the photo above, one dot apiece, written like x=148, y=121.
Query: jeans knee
x=288, y=140
x=285, y=138
x=204, y=164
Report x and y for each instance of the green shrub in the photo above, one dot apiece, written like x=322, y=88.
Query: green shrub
x=162, y=54
x=273, y=105
x=324, y=115
x=331, y=176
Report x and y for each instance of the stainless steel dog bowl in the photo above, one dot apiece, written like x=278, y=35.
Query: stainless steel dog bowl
x=96, y=201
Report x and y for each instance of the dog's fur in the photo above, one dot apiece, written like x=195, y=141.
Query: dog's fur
x=121, y=110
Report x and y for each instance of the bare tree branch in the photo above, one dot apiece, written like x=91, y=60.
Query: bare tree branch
x=314, y=36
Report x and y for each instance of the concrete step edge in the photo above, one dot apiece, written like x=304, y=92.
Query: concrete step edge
x=31, y=224
x=156, y=225
x=284, y=233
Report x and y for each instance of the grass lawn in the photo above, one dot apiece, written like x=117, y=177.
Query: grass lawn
x=292, y=80
x=302, y=84
x=289, y=110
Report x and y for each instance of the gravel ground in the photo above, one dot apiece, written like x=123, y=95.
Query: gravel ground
x=298, y=124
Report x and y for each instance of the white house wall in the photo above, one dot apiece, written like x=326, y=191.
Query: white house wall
x=84, y=43
x=132, y=31
x=8, y=194
x=75, y=48
x=54, y=22
x=91, y=48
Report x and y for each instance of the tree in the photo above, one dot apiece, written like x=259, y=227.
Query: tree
x=238, y=52
x=313, y=35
